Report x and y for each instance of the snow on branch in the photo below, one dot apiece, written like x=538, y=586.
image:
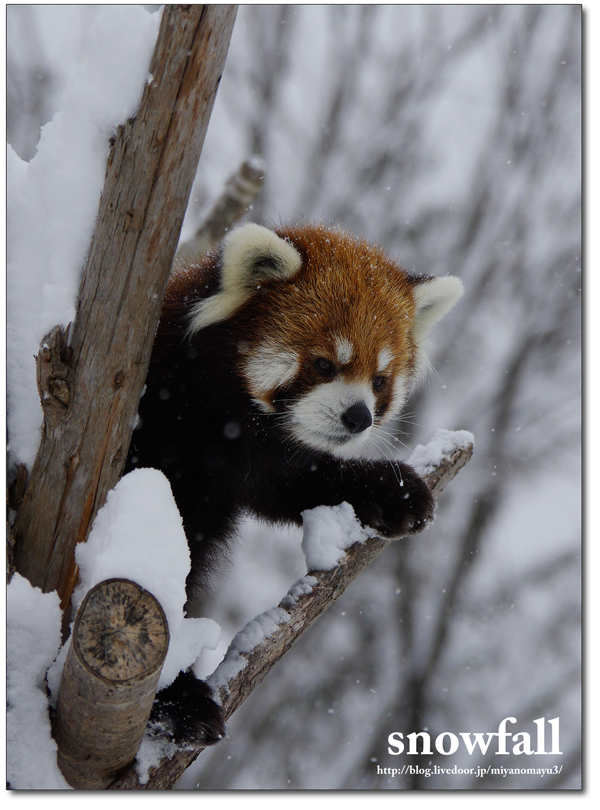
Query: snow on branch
x=267, y=638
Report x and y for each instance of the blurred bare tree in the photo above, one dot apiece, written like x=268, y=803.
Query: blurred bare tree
x=452, y=136
x=28, y=81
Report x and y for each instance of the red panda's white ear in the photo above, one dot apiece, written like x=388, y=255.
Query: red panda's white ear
x=251, y=255
x=434, y=297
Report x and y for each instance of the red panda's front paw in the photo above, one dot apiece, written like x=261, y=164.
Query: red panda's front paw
x=186, y=713
x=405, y=507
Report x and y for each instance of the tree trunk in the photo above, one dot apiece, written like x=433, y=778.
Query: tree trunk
x=91, y=375
x=119, y=643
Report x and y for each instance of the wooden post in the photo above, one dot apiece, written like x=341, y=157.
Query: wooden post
x=119, y=643
x=91, y=375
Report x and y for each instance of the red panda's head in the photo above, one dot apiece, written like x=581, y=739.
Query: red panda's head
x=333, y=331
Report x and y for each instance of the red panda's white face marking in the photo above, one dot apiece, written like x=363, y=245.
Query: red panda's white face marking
x=334, y=417
x=324, y=398
x=270, y=367
x=344, y=350
x=334, y=331
x=385, y=358
x=401, y=389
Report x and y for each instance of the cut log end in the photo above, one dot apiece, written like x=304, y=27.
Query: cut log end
x=121, y=632
x=120, y=640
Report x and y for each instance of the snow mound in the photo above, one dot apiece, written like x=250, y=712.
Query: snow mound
x=426, y=457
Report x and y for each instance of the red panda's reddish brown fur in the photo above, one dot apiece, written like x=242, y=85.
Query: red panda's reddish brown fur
x=346, y=288
x=276, y=359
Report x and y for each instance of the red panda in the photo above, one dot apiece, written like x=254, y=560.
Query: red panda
x=275, y=361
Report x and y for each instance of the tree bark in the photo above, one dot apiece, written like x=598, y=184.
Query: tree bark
x=304, y=603
x=91, y=375
x=119, y=643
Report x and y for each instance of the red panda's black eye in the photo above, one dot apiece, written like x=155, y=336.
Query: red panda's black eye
x=378, y=382
x=324, y=367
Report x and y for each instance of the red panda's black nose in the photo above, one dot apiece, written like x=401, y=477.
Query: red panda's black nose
x=357, y=418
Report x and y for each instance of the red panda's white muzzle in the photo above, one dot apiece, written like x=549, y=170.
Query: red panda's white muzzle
x=334, y=417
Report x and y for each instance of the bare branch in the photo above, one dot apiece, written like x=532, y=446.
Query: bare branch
x=241, y=188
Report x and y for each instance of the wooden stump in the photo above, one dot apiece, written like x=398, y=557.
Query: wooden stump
x=120, y=640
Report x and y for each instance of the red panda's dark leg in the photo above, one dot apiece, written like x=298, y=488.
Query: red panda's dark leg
x=389, y=497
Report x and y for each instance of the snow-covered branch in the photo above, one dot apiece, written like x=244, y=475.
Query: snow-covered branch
x=268, y=637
